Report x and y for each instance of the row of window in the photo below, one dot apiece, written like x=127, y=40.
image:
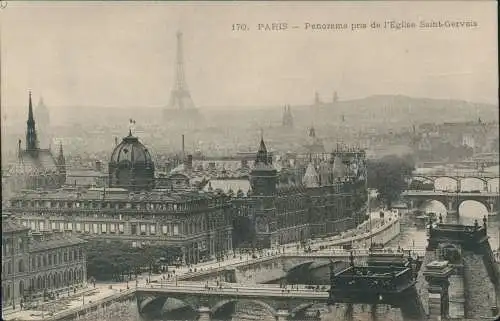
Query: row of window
x=13, y=246
x=103, y=228
x=110, y=205
x=44, y=260
x=52, y=281
x=57, y=257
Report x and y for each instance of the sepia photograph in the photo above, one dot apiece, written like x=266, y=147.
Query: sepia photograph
x=250, y=161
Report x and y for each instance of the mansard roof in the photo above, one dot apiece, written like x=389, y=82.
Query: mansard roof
x=113, y=194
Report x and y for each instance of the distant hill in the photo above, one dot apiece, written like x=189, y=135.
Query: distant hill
x=401, y=111
x=384, y=110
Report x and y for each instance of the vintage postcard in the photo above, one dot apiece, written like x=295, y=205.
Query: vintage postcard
x=329, y=160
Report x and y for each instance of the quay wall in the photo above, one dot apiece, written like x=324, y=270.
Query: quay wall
x=264, y=270
x=271, y=268
x=109, y=309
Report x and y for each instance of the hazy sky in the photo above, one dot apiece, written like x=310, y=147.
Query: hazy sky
x=123, y=54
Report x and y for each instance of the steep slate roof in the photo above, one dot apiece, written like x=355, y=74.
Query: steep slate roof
x=310, y=177
x=112, y=194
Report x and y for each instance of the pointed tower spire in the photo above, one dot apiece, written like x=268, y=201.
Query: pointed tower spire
x=262, y=157
x=31, y=139
x=30, y=109
x=312, y=132
x=60, y=157
x=180, y=97
x=61, y=150
x=61, y=164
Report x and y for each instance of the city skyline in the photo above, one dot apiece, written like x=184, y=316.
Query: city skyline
x=126, y=56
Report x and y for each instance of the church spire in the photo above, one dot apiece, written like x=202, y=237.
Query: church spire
x=60, y=157
x=61, y=154
x=262, y=157
x=31, y=139
x=61, y=164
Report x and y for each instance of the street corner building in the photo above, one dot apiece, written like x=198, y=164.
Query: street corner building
x=39, y=264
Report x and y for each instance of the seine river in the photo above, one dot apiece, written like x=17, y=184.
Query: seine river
x=413, y=235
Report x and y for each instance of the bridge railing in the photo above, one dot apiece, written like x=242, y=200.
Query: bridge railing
x=239, y=290
x=360, y=252
x=460, y=175
x=447, y=193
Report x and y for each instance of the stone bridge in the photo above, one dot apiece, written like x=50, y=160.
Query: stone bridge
x=485, y=179
x=451, y=200
x=207, y=301
x=287, y=266
x=295, y=267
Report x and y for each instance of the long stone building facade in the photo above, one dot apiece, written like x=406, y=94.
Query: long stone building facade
x=198, y=223
x=291, y=201
x=38, y=264
x=322, y=196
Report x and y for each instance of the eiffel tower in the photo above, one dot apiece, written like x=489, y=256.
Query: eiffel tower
x=181, y=104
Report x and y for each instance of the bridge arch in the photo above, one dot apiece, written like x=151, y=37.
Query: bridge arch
x=159, y=300
x=494, y=185
x=263, y=304
x=437, y=202
x=301, y=307
x=300, y=266
x=473, y=183
x=469, y=211
x=444, y=182
x=422, y=178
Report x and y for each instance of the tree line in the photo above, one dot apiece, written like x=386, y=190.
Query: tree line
x=114, y=260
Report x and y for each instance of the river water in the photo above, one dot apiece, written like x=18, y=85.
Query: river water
x=413, y=235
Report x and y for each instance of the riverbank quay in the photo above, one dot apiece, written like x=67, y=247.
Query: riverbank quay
x=381, y=229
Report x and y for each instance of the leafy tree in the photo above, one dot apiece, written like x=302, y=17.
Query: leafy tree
x=113, y=260
x=389, y=175
x=421, y=186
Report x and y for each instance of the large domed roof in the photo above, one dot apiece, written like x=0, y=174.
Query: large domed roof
x=131, y=165
x=131, y=151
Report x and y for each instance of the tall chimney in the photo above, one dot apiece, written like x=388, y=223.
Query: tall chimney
x=182, y=146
